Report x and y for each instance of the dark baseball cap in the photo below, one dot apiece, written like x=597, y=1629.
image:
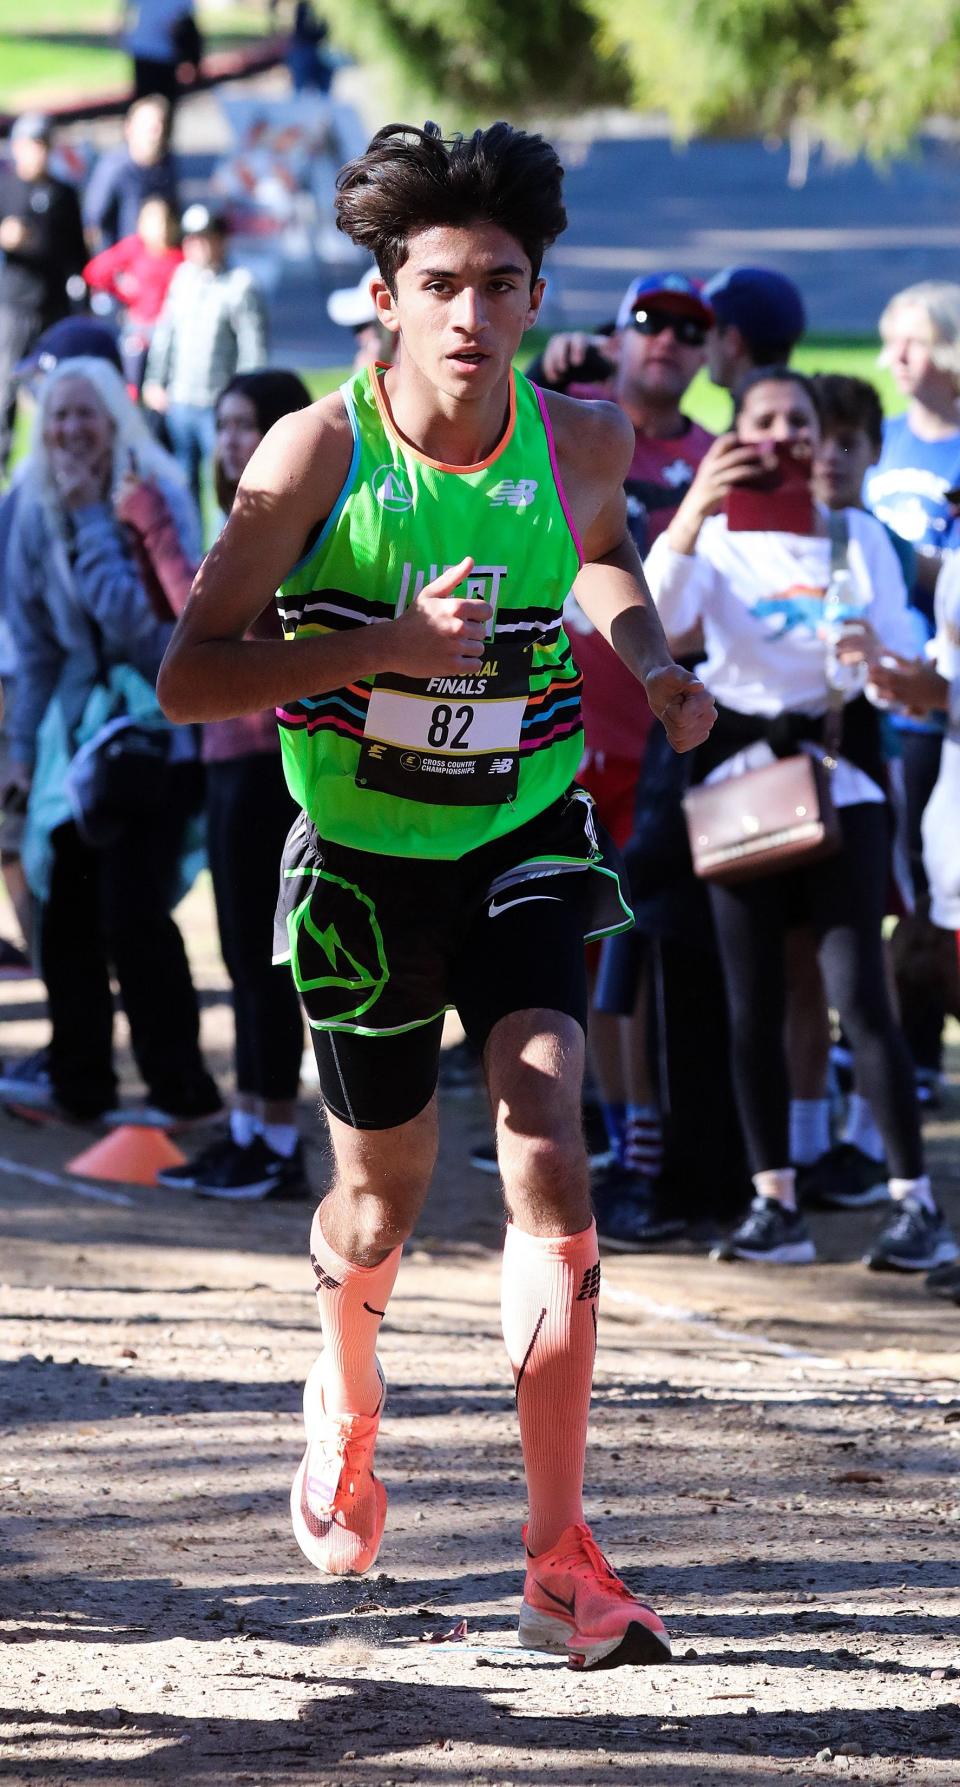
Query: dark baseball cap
x=667, y=291
x=765, y=306
x=73, y=338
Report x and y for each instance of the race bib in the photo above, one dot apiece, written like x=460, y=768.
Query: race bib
x=450, y=740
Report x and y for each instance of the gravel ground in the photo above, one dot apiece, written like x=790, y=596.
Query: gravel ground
x=773, y=1464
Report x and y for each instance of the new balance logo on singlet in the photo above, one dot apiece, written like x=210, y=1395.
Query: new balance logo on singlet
x=519, y=493
x=590, y=1287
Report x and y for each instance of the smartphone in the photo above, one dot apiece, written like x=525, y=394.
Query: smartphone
x=777, y=500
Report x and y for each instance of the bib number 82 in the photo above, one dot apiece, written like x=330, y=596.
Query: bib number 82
x=441, y=721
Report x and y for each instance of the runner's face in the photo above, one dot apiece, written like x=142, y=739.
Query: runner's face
x=238, y=434
x=463, y=302
x=657, y=368
x=840, y=465
x=778, y=410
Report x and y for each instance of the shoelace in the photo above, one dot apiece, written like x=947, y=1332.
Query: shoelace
x=588, y=1560
x=906, y=1220
x=760, y=1216
x=338, y=1452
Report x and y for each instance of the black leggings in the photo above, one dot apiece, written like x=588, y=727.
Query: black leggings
x=112, y=908
x=249, y=813
x=843, y=900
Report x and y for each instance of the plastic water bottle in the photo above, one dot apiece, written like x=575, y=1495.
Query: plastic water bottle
x=840, y=605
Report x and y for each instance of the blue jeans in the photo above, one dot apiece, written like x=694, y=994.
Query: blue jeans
x=192, y=430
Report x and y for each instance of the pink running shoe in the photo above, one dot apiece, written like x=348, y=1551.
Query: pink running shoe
x=574, y=1603
x=338, y=1506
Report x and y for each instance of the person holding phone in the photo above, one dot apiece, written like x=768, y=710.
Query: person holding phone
x=748, y=557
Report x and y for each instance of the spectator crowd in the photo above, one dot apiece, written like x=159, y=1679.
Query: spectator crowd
x=767, y=1038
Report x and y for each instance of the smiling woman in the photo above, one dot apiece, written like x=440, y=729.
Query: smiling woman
x=89, y=641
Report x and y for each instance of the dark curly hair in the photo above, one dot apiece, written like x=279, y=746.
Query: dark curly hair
x=411, y=179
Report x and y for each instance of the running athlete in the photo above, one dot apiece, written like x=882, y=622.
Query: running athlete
x=424, y=525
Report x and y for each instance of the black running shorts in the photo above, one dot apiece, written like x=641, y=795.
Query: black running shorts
x=382, y=946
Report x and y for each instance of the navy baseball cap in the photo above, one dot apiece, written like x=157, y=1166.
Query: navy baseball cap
x=73, y=338
x=765, y=306
x=669, y=291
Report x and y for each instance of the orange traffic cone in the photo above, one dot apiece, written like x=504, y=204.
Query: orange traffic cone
x=130, y=1154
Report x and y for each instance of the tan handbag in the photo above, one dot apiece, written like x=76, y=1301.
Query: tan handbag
x=775, y=818
x=763, y=822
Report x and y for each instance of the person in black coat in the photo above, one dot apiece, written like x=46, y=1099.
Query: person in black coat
x=41, y=238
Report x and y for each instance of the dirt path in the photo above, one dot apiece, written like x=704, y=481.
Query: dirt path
x=774, y=1464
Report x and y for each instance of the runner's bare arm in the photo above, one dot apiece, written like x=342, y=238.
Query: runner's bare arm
x=211, y=672
x=594, y=448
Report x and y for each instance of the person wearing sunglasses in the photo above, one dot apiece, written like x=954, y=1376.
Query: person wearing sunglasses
x=657, y=347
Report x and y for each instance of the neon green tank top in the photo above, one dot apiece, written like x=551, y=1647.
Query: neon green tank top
x=437, y=767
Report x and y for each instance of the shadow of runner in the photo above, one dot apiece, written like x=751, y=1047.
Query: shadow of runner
x=378, y=1732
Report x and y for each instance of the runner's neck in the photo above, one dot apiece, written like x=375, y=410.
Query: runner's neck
x=443, y=428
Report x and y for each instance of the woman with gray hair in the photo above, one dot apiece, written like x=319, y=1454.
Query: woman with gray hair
x=84, y=623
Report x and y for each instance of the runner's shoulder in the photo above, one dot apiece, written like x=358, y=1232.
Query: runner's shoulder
x=306, y=455
x=593, y=437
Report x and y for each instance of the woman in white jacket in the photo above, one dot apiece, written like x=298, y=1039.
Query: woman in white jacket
x=759, y=599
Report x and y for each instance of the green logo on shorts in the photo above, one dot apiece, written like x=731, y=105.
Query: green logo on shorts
x=336, y=950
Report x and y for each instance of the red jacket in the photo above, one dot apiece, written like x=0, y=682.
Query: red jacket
x=134, y=276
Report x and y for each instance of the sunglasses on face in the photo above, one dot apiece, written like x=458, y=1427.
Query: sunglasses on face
x=685, y=329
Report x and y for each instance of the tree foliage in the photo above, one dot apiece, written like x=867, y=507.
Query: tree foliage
x=858, y=74
x=483, y=59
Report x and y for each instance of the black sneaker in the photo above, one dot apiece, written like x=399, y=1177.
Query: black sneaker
x=628, y=1219
x=27, y=1082
x=769, y=1231
x=156, y=1116
x=209, y=1159
x=254, y=1173
x=484, y=1155
x=842, y=1179
x=14, y=964
x=915, y=1240
x=460, y=1069
x=944, y=1281
x=599, y=1146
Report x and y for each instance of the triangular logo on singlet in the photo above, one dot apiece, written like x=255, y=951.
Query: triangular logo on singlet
x=391, y=489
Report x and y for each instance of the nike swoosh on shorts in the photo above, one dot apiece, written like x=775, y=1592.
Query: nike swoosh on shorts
x=496, y=910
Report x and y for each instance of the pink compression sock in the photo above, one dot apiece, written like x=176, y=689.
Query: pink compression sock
x=352, y=1301
x=549, y=1311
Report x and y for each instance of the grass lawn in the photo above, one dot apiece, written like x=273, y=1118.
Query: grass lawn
x=37, y=66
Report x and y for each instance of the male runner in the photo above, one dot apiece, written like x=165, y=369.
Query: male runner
x=425, y=524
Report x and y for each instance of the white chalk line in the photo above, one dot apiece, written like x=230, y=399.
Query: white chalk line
x=97, y=1193
x=695, y=1318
